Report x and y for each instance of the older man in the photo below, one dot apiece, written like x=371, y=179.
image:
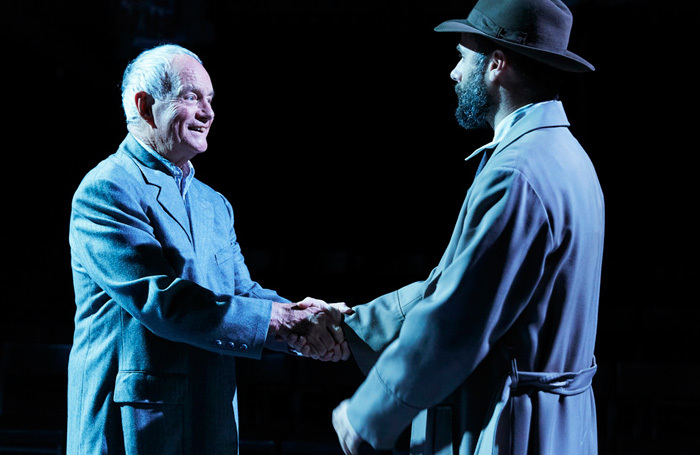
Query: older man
x=164, y=301
x=493, y=352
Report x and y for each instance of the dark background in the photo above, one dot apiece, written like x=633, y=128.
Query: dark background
x=335, y=142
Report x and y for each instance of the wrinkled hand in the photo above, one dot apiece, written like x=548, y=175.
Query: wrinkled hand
x=347, y=436
x=341, y=350
x=312, y=327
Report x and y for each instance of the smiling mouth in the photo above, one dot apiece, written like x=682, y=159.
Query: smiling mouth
x=199, y=129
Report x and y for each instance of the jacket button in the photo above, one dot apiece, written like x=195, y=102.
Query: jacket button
x=243, y=347
x=231, y=344
x=218, y=342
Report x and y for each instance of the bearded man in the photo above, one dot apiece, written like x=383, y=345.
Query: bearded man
x=493, y=351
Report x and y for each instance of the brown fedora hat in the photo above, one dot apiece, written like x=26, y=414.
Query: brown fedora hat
x=538, y=29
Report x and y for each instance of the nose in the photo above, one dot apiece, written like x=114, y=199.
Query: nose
x=206, y=112
x=456, y=74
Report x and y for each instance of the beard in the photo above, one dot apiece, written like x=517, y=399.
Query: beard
x=474, y=101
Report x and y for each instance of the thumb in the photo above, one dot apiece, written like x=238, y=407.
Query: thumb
x=343, y=308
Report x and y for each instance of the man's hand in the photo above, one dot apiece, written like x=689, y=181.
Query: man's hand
x=341, y=350
x=347, y=436
x=312, y=326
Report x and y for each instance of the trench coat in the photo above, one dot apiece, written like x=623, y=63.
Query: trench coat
x=164, y=302
x=494, y=351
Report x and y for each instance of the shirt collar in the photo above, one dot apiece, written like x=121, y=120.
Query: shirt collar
x=183, y=181
x=506, y=124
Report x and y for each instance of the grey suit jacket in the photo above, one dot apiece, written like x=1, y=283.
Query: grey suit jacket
x=164, y=302
x=515, y=291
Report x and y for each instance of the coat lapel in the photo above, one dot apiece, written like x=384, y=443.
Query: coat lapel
x=171, y=200
x=202, y=215
x=155, y=174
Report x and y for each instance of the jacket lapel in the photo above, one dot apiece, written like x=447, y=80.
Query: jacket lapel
x=202, y=215
x=156, y=175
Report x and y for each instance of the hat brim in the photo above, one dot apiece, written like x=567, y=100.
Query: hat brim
x=564, y=61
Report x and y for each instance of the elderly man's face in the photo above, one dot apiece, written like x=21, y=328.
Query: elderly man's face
x=182, y=123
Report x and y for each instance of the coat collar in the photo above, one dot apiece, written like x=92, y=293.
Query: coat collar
x=540, y=115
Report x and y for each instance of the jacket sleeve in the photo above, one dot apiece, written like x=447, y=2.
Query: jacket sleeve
x=493, y=267
x=116, y=256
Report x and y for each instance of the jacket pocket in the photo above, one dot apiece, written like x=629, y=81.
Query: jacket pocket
x=144, y=387
x=225, y=254
x=152, y=412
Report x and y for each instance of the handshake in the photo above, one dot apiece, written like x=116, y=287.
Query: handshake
x=310, y=328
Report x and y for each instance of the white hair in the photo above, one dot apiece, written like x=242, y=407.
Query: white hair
x=149, y=72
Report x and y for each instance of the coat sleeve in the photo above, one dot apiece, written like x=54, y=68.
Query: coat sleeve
x=116, y=256
x=375, y=325
x=495, y=262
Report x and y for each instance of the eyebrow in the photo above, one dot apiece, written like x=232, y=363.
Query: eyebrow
x=191, y=88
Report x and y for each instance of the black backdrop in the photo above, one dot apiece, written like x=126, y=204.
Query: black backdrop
x=336, y=144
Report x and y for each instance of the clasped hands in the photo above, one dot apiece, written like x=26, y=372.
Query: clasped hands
x=312, y=328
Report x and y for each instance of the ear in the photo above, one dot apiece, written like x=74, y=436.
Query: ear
x=496, y=66
x=144, y=105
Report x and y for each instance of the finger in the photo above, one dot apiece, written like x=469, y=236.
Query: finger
x=333, y=312
x=319, y=349
x=319, y=334
x=302, y=305
x=313, y=352
x=310, y=301
x=296, y=342
x=337, y=426
x=337, y=331
x=306, y=350
x=333, y=355
x=323, y=305
x=345, y=447
x=292, y=341
x=343, y=308
x=328, y=357
x=325, y=338
x=345, y=351
x=303, y=347
x=315, y=348
x=348, y=441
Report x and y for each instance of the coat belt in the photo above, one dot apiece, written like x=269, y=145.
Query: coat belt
x=518, y=382
x=439, y=418
x=567, y=383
